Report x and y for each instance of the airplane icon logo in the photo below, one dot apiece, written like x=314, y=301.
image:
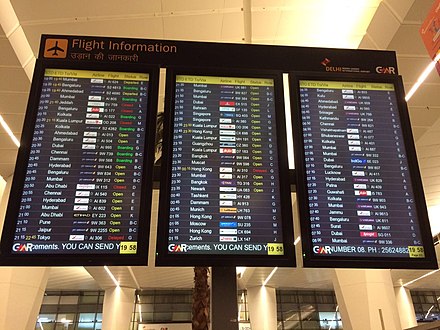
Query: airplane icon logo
x=56, y=48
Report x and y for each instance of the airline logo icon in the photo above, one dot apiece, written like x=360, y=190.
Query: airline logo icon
x=227, y=151
x=228, y=231
x=362, y=193
x=95, y=109
x=228, y=238
x=228, y=189
x=76, y=238
x=227, y=138
x=223, y=132
x=55, y=48
x=81, y=200
x=95, y=104
x=91, y=134
x=228, y=196
x=227, y=109
x=80, y=207
x=224, y=126
x=368, y=234
x=363, y=213
x=225, y=120
x=94, y=121
x=228, y=210
x=358, y=173
x=88, y=146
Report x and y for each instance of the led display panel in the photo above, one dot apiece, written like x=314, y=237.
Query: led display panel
x=81, y=193
x=359, y=188
x=225, y=195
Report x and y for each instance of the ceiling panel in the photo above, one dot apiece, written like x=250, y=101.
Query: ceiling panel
x=44, y=10
x=133, y=27
x=419, y=10
x=410, y=67
x=423, y=117
x=71, y=278
x=265, y=25
x=189, y=27
x=210, y=6
x=407, y=40
x=20, y=83
x=13, y=102
x=229, y=30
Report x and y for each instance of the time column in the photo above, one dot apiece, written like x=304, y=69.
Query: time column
x=176, y=165
x=309, y=154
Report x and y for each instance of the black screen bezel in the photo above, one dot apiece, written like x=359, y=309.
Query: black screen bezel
x=328, y=261
x=163, y=258
x=77, y=259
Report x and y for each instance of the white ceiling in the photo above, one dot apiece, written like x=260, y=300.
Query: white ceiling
x=388, y=24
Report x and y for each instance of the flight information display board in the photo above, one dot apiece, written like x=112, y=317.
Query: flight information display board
x=82, y=187
x=359, y=189
x=225, y=195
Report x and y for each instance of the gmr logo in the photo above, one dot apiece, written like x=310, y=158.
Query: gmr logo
x=177, y=248
x=386, y=69
x=17, y=247
x=322, y=250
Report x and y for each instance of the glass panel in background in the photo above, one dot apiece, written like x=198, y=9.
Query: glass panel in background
x=86, y=317
x=67, y=309
x=288, y=325
x=329, y=320
x=325, y=299
x=69, y=300
x=89, y=299
x=308, y=312
x=86, y=326
x=163, y=317
x=303, y=298
x=89, y=308
x=290, y=315
x=45, y=326
x=66, y=318
x=310, y=325
x=64, y=326
x=147, y=317
x=49, y=309
x=51, y=300
x=181, y=316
